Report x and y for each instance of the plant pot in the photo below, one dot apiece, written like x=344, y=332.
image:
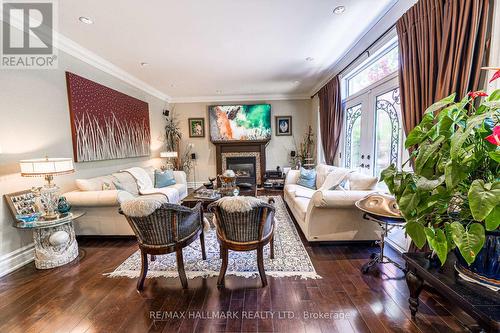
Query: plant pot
x=485, y=269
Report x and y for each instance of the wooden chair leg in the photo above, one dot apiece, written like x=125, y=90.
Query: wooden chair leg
x=144, y=271
x=180, y=268
x=220, y=251
x=271, y=245
x=225, y=257
x=202, y=242
x=153, y=257
x=260, y=264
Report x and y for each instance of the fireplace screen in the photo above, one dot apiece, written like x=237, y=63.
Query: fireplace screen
x=243, y=167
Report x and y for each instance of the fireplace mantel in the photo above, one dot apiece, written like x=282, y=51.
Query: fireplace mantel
x=243, y=147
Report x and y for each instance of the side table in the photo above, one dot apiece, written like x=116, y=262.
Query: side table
x=55, y=242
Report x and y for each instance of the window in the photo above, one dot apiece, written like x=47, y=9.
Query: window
x=375, y=69
x=372, y=134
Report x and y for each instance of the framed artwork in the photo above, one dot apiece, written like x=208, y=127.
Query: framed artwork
x=283, y=125
x=196, y=127
x=106, y=124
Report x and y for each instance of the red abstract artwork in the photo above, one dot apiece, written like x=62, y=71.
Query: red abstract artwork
x=106, y=124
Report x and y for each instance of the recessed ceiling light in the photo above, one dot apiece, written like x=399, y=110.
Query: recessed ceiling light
x=144, y=64
x=309, y=59
x=218, y=91
x=296, y=81
x=339, y=10
x=86, y=20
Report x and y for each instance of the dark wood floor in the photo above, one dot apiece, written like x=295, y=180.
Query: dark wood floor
x=78, y=298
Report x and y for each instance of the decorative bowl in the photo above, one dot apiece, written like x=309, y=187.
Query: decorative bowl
x=26, y=218
x=379, y=204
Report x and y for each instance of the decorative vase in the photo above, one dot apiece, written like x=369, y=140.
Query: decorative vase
x=63, y=205
x=485, y=269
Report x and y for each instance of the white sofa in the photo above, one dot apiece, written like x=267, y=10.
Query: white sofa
x=330, y=215
x=100, y=199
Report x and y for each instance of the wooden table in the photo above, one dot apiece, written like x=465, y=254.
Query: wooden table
x=479, y=302
x=191, y=200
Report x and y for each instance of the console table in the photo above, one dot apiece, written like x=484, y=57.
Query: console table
x=479, y=302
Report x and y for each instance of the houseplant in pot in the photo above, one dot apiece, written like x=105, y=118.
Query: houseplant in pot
x=451, y=200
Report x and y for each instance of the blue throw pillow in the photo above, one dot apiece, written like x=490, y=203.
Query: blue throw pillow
x=307, y=178
x=164, y=178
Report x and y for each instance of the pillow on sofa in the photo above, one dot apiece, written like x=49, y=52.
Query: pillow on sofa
x=307, y=178
x=124, y=181
x=359, y=181
x=322, y=171
x=95, y=184
x=337, y=177
x=164, y=178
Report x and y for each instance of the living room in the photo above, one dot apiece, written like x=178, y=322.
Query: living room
x=322, y=166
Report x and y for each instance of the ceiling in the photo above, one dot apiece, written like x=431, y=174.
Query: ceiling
x=219, y=49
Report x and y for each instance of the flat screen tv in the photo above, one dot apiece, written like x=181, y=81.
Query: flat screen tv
x=240, y=122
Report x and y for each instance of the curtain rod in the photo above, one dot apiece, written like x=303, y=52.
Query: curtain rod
x=357, y=57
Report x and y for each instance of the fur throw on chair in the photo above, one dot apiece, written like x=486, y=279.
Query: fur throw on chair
x=238, y=203
x=143, y=206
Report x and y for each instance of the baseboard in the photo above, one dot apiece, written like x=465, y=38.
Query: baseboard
x=16, y=259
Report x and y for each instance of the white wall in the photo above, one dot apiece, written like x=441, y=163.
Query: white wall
x=278, y=149
x=35, y=123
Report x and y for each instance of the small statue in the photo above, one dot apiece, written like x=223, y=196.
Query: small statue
x=63, y=205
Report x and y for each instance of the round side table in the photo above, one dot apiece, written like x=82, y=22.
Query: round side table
x=55, y=242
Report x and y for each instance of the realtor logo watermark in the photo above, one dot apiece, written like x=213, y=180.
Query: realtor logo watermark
x=28, y=35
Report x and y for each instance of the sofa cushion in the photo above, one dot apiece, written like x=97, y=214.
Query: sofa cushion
x=335, y=178
x=170, y=192
x=359, y=181
x=96, y=184
x=125, y=182
x=182, y=189
x=322, y=171
x=307, y=178
x=301, y=205
x=164, y=178
x=304, y=192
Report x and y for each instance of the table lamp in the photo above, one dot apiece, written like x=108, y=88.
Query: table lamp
x=168, y=155
x=47, y=168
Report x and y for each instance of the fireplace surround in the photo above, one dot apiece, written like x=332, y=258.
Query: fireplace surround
x=244, y=152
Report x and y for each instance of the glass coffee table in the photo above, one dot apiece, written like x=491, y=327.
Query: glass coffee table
x=191, y=200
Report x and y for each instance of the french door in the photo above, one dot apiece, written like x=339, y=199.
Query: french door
x=373, y=129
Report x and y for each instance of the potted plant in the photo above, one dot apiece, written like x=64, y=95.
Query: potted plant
x=451, y=200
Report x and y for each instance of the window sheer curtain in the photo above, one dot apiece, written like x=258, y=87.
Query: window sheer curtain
x=442, y=46
x=331, y=118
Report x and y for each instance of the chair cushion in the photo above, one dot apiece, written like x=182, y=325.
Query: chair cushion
x=239, y=204
x=142, y=206
x=307, y=178
x=164, y=178
x=359, y=181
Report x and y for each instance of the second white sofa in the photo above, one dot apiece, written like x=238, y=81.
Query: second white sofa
x=328, y=214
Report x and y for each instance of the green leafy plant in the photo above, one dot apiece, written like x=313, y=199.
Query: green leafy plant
x=453, y=193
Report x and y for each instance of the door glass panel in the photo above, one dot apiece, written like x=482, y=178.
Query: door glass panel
x=388, y=130
x=353, y=136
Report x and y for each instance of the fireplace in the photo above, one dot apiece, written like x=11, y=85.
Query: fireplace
x=243, y=167
x=249, y=158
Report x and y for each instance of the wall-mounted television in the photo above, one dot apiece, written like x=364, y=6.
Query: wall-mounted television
x=240, y=122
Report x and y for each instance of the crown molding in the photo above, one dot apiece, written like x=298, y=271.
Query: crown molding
x=69, y=46
x=242, y=98
x=74, y=49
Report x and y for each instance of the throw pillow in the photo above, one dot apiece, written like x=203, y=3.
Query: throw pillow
x=307, y=178
x=335, y=178
x=164, y=178
x=358, y=181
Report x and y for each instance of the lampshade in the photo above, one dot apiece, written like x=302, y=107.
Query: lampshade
x=168, y=154
x=46, y=166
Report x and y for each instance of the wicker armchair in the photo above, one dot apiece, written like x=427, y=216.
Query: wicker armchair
x=245, y=231
x=168, y=229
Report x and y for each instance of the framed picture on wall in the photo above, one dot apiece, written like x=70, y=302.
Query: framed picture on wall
x=196, y=127
x=283, y=125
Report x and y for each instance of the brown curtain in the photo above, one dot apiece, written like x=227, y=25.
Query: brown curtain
x=442, y=45
x=330, y=118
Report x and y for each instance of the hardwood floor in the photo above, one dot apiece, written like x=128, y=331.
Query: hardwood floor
x=79, y=298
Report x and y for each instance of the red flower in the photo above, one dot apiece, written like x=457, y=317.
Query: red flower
x=495, y=76
x=474, y=94
x=494, y=138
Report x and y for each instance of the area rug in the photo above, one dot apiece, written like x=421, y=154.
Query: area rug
x=291, y=258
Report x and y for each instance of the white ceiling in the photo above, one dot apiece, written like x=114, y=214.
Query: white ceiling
x=220, y=49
